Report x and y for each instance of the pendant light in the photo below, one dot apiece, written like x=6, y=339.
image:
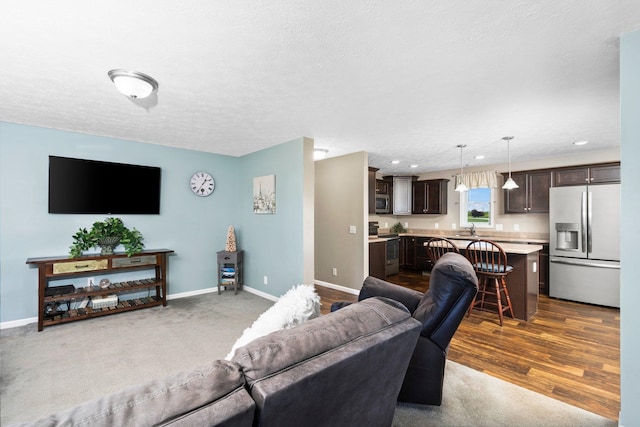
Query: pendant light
x=509, y=184
x=461, y=187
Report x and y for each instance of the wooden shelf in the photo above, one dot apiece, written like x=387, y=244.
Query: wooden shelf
x=53, y=268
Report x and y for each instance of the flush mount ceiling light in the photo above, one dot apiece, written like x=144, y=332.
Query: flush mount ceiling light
x=509, y=184
x=319, y=153
x=461, y=187
x=580, y=142
x=133, y=84
x=395, y=162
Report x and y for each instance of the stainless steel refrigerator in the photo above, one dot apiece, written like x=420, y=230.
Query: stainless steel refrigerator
x=584, y=244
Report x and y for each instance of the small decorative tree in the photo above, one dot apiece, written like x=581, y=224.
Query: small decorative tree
x=231, y=240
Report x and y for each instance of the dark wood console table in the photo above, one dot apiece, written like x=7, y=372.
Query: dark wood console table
x=54, y=268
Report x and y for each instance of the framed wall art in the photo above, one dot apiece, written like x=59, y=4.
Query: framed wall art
x=264, y=194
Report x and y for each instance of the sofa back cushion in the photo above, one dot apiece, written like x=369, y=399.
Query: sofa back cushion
x=212, y=394
x=344, y=368
x=452, y=286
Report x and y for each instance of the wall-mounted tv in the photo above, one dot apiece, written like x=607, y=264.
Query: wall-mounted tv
x=78, y=186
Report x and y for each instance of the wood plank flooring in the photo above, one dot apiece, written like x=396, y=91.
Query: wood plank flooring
x=568, y=351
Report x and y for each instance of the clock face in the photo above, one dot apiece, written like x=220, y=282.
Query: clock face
x=202, y=184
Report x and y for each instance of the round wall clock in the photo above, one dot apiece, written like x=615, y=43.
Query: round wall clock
x=202, y=184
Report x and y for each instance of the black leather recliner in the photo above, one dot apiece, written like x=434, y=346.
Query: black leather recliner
x=452, y=286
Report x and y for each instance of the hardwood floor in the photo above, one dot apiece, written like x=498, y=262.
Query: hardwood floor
x=568, y=351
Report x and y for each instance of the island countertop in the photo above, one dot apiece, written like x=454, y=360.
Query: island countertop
x=509, y=248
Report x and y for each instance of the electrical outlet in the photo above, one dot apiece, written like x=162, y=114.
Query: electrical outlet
x=437, y=225
x=334, y=271
x=386, y=225
x=91, y=281
x=406, y=225
x=516, y=227
x=266, y=280
x=352, y=229
x=453, y=226
x=499, y=227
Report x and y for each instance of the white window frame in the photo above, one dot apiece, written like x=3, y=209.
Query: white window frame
x=464, y=201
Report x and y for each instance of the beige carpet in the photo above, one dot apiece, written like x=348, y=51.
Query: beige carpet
x=45, y=372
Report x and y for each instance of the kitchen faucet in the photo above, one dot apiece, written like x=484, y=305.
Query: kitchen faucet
x=472, y=230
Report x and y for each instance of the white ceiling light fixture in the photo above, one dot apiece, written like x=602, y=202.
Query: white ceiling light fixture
x=461, y=187
x=319, y=153
x=395, y=162
x=581, y=143
x=133, y=84
x=509, y=184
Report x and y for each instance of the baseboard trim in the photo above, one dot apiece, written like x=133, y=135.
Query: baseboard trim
x=337, y=287
x=22, y=322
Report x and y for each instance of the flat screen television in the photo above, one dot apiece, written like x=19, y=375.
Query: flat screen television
x=78, y=186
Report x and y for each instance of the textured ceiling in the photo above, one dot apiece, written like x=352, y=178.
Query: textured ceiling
x=401, y=80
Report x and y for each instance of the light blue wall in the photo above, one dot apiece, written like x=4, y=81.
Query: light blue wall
x=630, y=272
x=195, y=228
x=281, y=257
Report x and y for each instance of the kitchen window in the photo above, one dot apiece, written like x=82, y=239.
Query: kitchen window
x=476, y=207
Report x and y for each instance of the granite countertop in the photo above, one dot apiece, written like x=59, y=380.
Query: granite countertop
x=497, y=236
x=510, y=248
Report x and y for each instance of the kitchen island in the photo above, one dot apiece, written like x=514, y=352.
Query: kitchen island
x=522, y=282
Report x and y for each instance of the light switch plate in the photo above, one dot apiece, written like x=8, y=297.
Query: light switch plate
x=352, y=229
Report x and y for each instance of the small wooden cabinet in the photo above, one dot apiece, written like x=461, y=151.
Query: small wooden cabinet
x=605, y=173
x=533, y=194
x=408, y=252
x=383, y=187
x=230, y=270
x=50, y=299
x=430, y=196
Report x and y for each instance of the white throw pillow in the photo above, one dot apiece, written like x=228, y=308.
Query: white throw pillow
x=296, y=306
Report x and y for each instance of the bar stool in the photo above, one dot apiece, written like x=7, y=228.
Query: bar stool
x=489, y=261
x=438, y=246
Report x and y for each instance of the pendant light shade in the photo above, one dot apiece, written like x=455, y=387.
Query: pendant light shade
x=133, y=84
x=509, y=184
x=461, y=187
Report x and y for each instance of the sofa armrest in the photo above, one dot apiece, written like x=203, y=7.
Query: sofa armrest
x=374, y=287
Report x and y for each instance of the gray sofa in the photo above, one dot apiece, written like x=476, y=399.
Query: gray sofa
x=342, y=369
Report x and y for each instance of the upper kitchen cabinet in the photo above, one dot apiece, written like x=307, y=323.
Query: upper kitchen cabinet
x=533, y=194
x=383, y=187
x=589, y=174
x=372, y=190
x=430, y=196
x=402, y=194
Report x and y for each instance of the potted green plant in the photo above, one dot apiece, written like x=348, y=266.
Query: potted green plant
x=107, y=235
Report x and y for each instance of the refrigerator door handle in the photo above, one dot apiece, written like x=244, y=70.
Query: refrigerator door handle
x=589, y=221
x=584, y=220
x=585, y=263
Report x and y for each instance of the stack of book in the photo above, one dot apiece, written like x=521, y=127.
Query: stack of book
x=227, y=276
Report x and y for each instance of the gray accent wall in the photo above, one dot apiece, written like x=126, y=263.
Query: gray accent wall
x=340, y=191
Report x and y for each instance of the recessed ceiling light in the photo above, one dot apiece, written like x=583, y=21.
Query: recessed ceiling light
x=395, y=162
x=479, y=157
x=413, y=166
x=580, y=142
x=319, y=153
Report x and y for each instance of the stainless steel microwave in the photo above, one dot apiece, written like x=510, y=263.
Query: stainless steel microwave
x=383, y=204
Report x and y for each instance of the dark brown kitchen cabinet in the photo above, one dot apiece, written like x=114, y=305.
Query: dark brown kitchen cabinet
x=372, y=190
x=430, y=197
x=533, y=194
x=377, y=259
x=590, y=174
x=408, y=252
x=423, y=263
x=383, y=187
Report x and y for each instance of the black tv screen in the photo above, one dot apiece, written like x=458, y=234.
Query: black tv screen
x=78, y=186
